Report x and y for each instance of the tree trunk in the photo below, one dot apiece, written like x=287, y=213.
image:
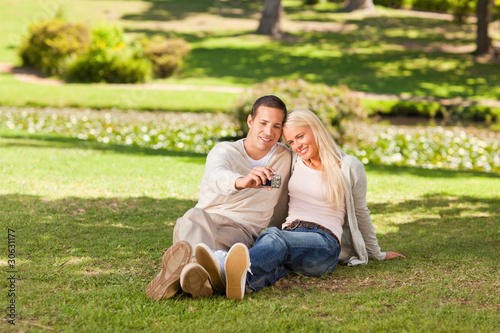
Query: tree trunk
x=483, y=41
x=270, y=20
x=352, y=5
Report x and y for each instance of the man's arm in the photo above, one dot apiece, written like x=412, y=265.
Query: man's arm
x=255, y=178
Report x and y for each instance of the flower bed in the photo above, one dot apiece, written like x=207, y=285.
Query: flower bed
x=455, y=148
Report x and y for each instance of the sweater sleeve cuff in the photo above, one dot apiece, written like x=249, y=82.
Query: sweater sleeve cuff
x=377, y=256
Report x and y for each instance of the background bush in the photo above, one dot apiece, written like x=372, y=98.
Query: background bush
x=71, y=50
x=166, y=54
x=389, y=3
x=335, y=106
x=53, y=44
x=459, y=8
x=108, y=59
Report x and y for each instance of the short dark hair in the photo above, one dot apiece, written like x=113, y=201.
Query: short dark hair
x=270, y=101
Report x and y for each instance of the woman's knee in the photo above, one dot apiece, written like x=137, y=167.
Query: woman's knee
x=272, y=236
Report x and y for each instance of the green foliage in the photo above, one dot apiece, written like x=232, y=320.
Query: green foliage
x=389, y=3
x=107, y=36
x=459, y=8
x=166, y=54
x=311, y=2
x=429, y=109
x=52, y=44
x=336, y=106
x=61, y=48
x=108, y=59
x=109, y=66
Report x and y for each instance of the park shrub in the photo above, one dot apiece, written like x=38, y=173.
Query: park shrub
x=109, y=59
x=433, y=110
x=166, y=54
x=108, y=66
x=335, y=106
x=459, y=8
x=389, y=3
x=51, y=45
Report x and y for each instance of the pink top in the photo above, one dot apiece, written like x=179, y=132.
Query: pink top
x=308, y=200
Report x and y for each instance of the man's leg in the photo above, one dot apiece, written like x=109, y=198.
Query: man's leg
x=230, y=233
x=196, y=226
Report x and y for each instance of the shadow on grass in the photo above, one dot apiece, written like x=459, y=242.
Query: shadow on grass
x=445, y=226
x=180, y=9
x=336, y=60
x=442, y=204
x=99, y=228
x=64, y=142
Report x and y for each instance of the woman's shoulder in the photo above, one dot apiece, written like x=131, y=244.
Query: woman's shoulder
x=351, y=161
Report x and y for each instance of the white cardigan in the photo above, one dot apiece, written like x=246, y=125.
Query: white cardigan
x=359, y=240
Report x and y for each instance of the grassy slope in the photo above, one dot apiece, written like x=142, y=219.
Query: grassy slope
x=382, y=54
x=91, y=221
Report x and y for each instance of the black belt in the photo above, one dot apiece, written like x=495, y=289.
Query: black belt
x=310, y=225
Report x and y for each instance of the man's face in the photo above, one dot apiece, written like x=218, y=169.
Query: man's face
x=264, y=131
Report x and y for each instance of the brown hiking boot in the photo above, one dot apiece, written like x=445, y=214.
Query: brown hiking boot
x=167, y=283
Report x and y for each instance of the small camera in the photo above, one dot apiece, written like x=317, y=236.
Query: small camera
x=274, y=182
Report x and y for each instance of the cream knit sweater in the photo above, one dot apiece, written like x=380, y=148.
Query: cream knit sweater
x=254, y=208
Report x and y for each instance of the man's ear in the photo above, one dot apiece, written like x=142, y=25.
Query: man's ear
x=249, y=121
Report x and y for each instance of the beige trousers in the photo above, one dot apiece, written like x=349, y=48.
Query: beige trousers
x=216, y=231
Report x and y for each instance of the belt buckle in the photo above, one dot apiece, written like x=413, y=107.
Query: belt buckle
x=294, y=225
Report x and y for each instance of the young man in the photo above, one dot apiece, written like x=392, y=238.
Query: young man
x=233, y=207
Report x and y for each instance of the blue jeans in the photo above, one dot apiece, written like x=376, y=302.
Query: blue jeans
x=277, y=252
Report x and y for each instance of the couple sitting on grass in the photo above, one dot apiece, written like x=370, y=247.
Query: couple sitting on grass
x=317, y=216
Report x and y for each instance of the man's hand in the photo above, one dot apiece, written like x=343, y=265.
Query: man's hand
x=255, y=178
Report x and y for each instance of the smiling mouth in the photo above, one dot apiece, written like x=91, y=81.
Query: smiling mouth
x=303, y=151
x=267, y=140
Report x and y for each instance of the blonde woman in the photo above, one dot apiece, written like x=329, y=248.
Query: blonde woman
x=327, y=208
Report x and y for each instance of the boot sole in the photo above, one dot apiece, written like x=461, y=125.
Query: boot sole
x=206, y=259
x=236, y=266
x=173, y=261
x=194, y=280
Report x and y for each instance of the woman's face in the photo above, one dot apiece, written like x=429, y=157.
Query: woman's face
x=301, y=140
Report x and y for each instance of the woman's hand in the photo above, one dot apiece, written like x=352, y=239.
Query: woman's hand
x=391, y=255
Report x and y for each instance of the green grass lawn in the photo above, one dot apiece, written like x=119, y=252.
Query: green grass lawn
x=91, y=221
x=385, y=53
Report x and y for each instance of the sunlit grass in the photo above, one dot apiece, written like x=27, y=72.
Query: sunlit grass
x=93, y=220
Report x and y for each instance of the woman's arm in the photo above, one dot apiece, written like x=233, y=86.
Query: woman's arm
x=365, y=225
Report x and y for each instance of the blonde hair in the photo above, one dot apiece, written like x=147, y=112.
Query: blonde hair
x=329, y=153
